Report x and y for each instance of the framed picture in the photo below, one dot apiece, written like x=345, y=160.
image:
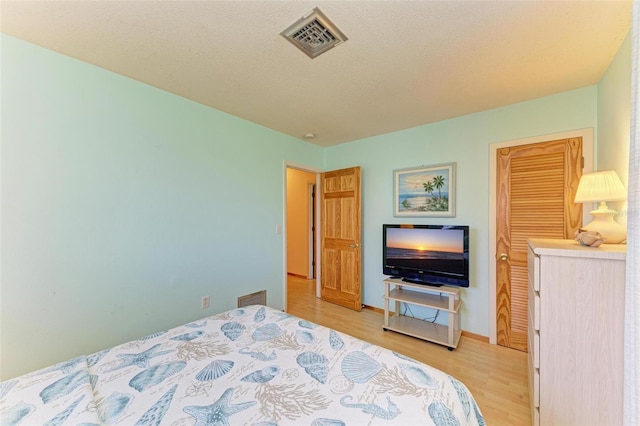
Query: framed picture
x=426, y=191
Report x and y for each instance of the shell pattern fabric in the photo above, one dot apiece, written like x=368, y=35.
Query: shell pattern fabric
x=249, y=366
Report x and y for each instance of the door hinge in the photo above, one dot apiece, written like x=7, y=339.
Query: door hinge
x=582, y=162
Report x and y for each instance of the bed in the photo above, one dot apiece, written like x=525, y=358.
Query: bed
x=249, y=366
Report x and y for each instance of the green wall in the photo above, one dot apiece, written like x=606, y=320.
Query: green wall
x=123, y=205
x=464, y=140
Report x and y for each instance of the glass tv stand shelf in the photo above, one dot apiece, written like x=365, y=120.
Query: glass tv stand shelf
x=446, y=299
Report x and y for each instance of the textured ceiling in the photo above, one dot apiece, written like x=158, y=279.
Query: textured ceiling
x=406, y=63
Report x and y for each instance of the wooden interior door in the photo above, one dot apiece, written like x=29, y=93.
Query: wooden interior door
x=536, y=187
x=340, y=273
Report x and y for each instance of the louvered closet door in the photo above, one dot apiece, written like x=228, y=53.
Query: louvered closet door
x=536, y=188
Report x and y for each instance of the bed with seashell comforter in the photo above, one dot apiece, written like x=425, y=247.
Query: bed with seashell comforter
x=248, y=366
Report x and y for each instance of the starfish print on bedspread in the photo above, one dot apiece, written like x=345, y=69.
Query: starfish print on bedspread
x=217, y=413
x=140, y=360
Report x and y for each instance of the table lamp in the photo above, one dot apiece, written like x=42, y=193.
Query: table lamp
x=602, y=187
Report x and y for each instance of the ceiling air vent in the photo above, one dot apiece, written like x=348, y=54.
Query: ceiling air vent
x=314, y=34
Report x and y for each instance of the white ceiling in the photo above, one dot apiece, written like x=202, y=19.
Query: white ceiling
x=406, y=63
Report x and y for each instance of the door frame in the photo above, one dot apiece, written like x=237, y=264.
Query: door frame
x=312, y=218
x=310, y=169
x=587, y=152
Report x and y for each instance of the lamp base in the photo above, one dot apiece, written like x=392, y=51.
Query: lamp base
x=603, y=222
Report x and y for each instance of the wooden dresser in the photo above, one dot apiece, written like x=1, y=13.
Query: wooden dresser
x=576, y=332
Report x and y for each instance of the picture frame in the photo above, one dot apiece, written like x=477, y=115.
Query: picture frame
x=425, y=191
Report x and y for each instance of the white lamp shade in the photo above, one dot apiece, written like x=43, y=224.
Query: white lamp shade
x=600, y=186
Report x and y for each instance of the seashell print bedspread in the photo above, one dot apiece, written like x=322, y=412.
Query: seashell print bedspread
x=248, y=366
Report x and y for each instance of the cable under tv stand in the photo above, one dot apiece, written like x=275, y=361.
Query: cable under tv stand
x=444, y=298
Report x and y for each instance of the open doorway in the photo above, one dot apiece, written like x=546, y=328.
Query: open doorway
x=301, y=226
x=335, y=226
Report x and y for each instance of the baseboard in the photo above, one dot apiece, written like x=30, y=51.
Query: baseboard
x=298, y=275
x=374, y=309
x=475, y=336
x=468, y=334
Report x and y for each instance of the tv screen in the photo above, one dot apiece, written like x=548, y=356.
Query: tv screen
x=427, y=254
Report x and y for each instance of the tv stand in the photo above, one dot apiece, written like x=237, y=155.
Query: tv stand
x=443, y=298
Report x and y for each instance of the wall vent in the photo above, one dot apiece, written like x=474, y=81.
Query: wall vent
x=314, y=34
x=257, y=298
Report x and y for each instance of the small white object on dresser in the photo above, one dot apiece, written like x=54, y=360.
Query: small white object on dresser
x=576, y=332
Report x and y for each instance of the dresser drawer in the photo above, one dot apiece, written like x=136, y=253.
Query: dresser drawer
x=534, y=344
x=534, y=382
x=533, y=302
x=533, y=268
x=535, y=416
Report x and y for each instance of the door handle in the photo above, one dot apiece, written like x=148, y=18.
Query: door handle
x=354, y=245
x=504, y=256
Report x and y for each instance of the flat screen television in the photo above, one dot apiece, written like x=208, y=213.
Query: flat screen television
x=427, y=254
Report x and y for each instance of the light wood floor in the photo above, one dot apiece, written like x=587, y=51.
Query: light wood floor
x=496, y=376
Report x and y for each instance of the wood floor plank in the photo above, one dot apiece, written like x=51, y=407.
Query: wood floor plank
x=495, y=375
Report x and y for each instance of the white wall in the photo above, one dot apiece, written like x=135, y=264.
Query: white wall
x=122, y=205
x=614, y=122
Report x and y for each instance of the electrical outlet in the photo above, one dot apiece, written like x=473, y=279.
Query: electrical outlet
x=205, y=302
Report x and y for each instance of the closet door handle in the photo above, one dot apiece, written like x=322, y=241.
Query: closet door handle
x=504, y=256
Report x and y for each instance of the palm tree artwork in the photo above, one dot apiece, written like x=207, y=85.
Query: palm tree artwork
x=436, y=204
x=438, y=183
x=428, y=187
x=424, y=190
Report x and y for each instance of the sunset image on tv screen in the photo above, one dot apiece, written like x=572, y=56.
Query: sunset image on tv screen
x=419, y=240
